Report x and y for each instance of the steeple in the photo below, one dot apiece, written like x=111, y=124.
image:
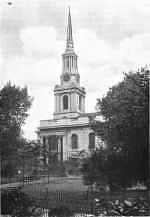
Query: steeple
x=69, y=44
x=69, y=57
x=69, y=95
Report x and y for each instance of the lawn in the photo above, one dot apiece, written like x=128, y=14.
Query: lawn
x=62, y=184
x=71, y=192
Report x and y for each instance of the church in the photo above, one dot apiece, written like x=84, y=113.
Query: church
x=69, y=132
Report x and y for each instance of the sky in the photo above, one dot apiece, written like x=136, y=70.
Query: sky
x=110, y=37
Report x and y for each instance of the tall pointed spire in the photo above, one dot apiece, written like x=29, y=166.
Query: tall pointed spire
x=69, y=45
x=69, y=56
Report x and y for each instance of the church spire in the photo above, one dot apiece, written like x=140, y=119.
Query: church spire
x=69, y=57
x=69, y=44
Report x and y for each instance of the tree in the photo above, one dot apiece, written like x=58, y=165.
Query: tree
x=14, y=104
x=125, y=129
x=29, y=157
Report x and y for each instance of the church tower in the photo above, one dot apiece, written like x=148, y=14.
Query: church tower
x=69, y=132
x=69, y=95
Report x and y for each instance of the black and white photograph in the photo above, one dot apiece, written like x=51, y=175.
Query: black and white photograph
x=74, y=108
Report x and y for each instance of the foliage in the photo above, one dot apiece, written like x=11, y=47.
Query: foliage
x=74, y=161
x=15, y=203
x=93, y=168
x=61, y=211
x=125, y=109
x=72, y=166
x=124, y=131
x=14, y=104
x=29, y=157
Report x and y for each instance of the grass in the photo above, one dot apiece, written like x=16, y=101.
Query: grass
x=73, y=194
x=58, y=184
x=66, y=192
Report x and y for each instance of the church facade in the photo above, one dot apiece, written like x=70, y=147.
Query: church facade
x=69, y=131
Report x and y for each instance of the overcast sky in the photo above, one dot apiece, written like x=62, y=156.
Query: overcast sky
x=110, y=36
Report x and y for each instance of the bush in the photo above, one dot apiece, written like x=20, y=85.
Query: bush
x=73, y=166
x=60, y=212
x=16, y=203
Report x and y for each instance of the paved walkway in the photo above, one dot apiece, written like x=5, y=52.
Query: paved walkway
x=11, y=185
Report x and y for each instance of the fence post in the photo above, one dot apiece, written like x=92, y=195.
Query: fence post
x=92, y=202
x=23, y=170
x=48, y=172
x=47, y=198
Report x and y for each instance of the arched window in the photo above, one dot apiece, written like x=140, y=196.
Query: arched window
x=74, y=141
x=91, y=140
x=65, y=102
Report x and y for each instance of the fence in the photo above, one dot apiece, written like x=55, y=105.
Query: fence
x=73, y=204
x=50, y=203
x=58, y=202
x=27, y=169
x=49, y=187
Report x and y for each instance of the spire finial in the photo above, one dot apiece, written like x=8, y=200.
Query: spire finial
x=69, y=44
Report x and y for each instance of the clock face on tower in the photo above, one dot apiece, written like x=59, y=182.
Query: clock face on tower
x=66, y=77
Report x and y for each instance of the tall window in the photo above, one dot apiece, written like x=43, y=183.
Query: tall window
x=80, y=101
x=74, y=141
x=65, y=102
x=68, y=62
x=91, y=140
x=44, y=141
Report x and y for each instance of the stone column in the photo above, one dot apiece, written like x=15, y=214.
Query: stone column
x=60, y=149
x=83, y=105
x=47, y=149
x=55, y=103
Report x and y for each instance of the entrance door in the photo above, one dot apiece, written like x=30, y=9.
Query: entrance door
x=53, y=149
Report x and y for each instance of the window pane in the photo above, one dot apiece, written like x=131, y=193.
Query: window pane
x=91, y=141
x=68, y=62
x=74, y=141
x=65, y=102
x=80, y=100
